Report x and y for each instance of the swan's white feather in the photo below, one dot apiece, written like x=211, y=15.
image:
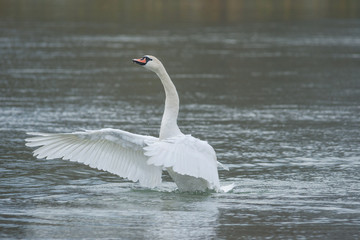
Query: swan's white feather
x=111, y=150
x=185, y=155
x=190, y=162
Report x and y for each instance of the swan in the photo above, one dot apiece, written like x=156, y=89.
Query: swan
x=190, y=162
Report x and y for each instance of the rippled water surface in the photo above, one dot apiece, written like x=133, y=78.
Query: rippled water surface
x=278, y=100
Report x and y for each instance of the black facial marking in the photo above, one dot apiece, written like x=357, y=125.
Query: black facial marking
x=142, y=63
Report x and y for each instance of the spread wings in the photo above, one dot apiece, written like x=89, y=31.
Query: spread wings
x=112, y=150
x=135, y=157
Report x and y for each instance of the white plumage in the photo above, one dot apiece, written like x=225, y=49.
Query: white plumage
x=111, y=150
x=180, y=152
x=190, y=162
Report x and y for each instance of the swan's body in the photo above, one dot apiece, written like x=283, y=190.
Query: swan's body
x=190, y=162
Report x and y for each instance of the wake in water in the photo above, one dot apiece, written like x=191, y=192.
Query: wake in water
x=166, y=187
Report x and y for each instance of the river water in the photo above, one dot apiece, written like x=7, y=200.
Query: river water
x=277, y=97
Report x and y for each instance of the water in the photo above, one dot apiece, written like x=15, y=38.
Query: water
x=277, y=96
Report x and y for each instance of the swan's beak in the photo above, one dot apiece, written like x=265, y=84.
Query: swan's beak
x=140, y=61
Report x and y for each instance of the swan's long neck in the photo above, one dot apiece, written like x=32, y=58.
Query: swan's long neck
x=169, y=127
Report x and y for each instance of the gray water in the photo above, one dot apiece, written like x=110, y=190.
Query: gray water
x=276, y=95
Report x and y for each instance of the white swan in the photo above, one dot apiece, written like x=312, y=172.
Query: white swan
x=190, y=162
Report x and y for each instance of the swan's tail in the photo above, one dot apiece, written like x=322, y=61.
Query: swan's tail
x=227, y=188
x=222, y=166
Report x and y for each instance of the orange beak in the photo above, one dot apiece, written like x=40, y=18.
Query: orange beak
x=141, y=61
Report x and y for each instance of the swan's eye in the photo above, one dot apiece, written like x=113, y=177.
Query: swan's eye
x=147, y=59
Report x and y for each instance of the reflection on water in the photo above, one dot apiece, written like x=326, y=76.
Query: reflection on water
x=278, y=101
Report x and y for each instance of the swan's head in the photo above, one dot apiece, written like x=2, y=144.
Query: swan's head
x=149, y=62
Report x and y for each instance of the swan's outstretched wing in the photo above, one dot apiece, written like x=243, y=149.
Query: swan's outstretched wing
x=186, y=155
x=112, y=150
